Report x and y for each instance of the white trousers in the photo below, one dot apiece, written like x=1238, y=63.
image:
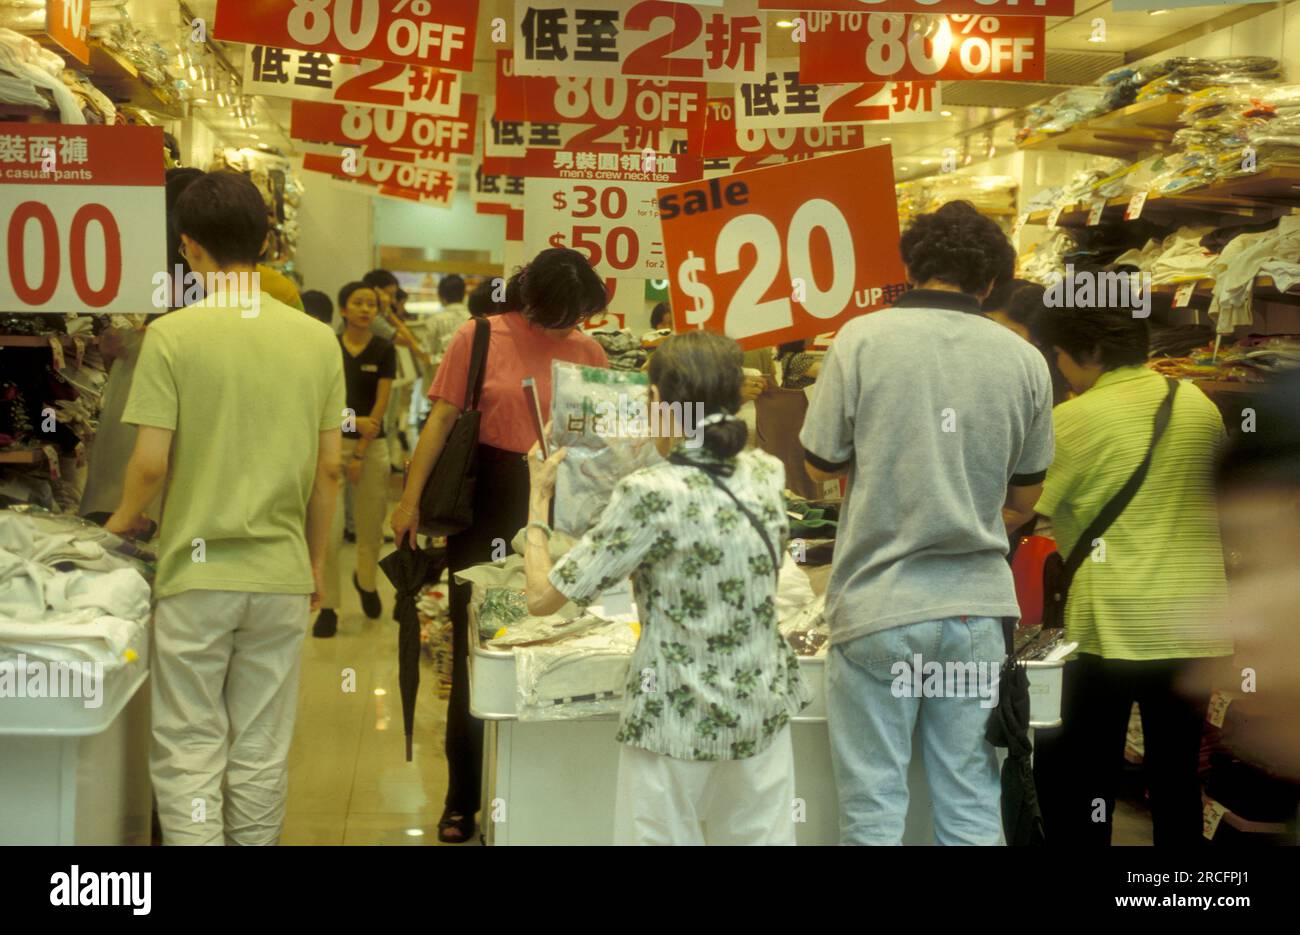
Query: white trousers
x=661, y=800
x=225, y=694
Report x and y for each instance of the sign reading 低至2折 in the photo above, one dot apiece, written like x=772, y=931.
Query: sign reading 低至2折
x=784, y=253
x=782, y=100
x=437, y=33
x=843, y=47
x=83, y=221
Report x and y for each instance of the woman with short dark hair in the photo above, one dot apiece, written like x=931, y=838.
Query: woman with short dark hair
x=1148, y=604
x=559, y=290
x=712, y=685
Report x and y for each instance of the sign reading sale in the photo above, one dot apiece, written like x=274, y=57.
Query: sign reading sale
x=961, y=46
x=784, y=253
x=83, y=220
x=439, y=33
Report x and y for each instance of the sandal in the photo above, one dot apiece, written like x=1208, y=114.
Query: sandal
x=455, y=828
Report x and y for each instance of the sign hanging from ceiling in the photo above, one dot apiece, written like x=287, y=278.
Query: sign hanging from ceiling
x=781, y=99
x=513, y=138
x=639, y=38
x=602, y=204
x=1007, y=7
x=322, y=76
x=723, y=138
x=83, y=221
x=625, y=101
x=1143, y=5
x=67, y=22
x=437, y=33
x=955, y=47
x=388, y=134
x=428, y=185
x=784, y=253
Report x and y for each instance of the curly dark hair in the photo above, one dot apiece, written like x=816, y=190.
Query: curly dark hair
x=559, y=289
x=959, y=246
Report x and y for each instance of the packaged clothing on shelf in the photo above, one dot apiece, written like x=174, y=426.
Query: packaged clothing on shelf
x=622, y=347
x=579, y=677
x=1273, y=253
x=1063, y=111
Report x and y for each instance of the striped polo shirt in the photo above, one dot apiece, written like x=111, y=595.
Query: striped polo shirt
x=1155, y=587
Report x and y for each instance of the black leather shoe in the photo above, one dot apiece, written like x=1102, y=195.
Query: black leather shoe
x=326, y=625
x=369, y=600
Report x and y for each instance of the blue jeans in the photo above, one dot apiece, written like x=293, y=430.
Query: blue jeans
x=874, y=704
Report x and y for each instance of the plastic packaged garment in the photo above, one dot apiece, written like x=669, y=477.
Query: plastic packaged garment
x=806, y=630
x=579, y=677
x=1274, y=253
x=604, y=419
x=1064, y=110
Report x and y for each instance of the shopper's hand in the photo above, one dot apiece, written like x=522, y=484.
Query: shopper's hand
x=751, y=388
x=317, y=577
x=353, y=471
x=405, y=525
x=368, y=427
x=541, y=473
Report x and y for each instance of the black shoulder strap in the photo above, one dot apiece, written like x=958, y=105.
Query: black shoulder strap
x=1111, y=511
x=477, y=363
x=762, y=530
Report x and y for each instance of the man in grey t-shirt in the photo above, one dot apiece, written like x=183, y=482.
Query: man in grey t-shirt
x=941, y=419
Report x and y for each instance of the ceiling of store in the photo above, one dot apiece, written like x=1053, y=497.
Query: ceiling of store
x=982, y=111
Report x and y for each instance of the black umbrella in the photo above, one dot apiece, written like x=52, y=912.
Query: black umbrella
x=1022, y=819
x=410, y=570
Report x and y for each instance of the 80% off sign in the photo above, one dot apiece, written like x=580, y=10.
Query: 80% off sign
x=783, y=253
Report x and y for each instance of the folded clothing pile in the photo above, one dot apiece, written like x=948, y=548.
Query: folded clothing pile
x=1274, y=253
x=1063, y=111
x=1253, y=359
x=1185, y=75
x=622, y=347
x=1178, y=258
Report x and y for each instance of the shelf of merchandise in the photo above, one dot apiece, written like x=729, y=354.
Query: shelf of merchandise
x=1265, y=289
x=1249, y=198
x=115, y=75
x=23, y=111
x=43, y=340
x=1127, y=133
x=22, y=456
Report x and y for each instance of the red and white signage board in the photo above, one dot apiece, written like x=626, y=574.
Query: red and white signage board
x=513, y=138
x=723, y=138
x=781, y=99
x=625, y=309
x=964, y=46
x=784, y=253
x=983, y=7
x=348, y=183
x=67, y=22
x=640, y=38
x=333, y=79
x=435, y=184
x=612, y=100
x=436, y=33
x=602, y=204
x=514, y=219
x=82, y=220
x=390, y=134
x=499, y=181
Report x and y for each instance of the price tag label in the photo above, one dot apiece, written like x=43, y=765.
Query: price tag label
x=1217, y=709
x=1055, y=216
x=1135, y=204
x=894, y=46
x=786, y=253
x=1019, y=223
x=1183, y=294
x=1095, y=212
x=82, y=221
x=438, y=33
x=723, y=138
x=1211, y=814
x=602, y=204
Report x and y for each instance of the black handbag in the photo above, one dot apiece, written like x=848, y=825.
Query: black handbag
x=1058, y=574
x=447, y=501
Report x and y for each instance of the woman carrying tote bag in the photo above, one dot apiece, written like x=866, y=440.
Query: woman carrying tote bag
x=560, y=290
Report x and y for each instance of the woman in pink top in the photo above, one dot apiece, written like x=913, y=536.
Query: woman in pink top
x=559, y=290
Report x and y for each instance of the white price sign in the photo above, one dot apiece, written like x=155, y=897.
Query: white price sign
x=614, y=224
x=320, y=76
x=83, y=219
x=781, y=100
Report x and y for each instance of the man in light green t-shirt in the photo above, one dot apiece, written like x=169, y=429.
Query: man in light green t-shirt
x=239, y=404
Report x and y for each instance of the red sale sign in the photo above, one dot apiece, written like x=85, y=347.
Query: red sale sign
x=67, y=22
x=83, y=220
x=439, y=33
x=427, y=183
x=723, y=138
x=963, y=46
x=386, y=133
x=609, y=100
x=784, y=253
x=1009, y=7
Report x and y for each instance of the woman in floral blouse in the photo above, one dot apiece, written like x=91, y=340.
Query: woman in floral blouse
x=712, y=685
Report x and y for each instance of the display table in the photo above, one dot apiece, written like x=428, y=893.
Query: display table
x=553, y=782
x=76, y=775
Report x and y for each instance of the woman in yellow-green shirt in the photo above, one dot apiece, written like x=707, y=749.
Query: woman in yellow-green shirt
x=1148, y=600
